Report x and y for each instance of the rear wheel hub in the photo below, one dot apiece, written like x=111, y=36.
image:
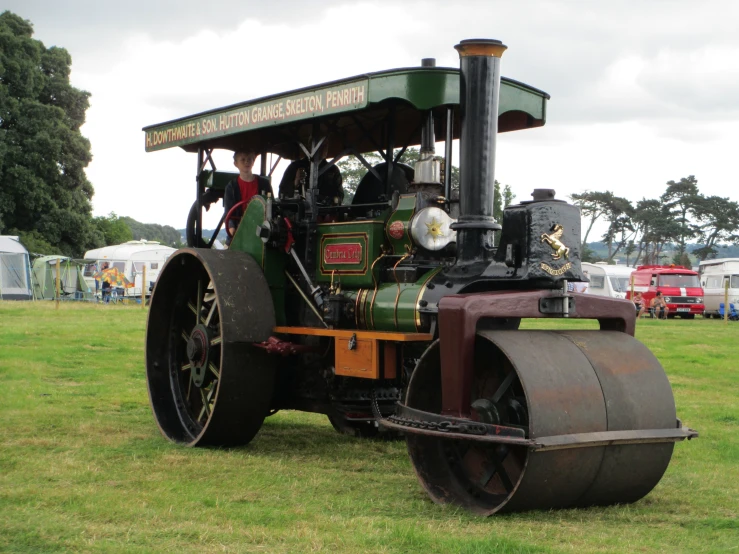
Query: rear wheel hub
x=198, y=347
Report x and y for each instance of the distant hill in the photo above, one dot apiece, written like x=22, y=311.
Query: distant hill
x=207, y=233
x=726, y=251
x=165, y=234
x=600, y=251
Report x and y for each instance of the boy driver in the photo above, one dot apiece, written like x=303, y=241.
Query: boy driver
x=243, y=187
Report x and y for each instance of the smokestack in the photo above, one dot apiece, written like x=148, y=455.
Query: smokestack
x=478, y=96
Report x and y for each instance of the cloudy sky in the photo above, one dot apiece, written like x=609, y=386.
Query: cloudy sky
x=643, y=92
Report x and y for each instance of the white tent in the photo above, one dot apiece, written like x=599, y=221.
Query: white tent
x=130, y=258
x=15, y=270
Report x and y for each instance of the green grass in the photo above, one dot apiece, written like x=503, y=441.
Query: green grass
x=83, y=466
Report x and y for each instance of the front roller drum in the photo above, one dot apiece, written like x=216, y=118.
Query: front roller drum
x=549, y=384
x=208, y=385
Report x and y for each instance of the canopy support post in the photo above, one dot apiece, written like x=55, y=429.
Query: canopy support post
x=448, y=153
x=199, y=197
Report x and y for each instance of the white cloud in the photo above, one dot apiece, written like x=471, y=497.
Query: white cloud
x=703, y=82
x=630, y=159
x=641, y=92
x=155, y=81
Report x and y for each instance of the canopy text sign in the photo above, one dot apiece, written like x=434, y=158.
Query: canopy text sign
x=246, y=117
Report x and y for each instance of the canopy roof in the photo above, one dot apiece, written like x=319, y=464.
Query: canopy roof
x=51, y=259
x=351, y=108
x=612, y=270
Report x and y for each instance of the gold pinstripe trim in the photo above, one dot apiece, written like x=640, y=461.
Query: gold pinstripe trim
x=350, y=223
x=417, y=313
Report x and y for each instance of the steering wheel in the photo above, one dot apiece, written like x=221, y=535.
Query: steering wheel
x=209, y=198
x=238, y=204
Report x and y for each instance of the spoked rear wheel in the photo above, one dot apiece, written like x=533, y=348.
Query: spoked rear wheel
x=197, y=354
x=208, y=385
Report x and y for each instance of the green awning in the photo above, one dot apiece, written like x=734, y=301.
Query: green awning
x=349, y=107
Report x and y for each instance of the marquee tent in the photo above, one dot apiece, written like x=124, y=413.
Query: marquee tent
x=71, y=279
x=15, y=271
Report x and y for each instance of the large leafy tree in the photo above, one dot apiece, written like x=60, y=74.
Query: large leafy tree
x=718, y=222
x=619, y=235
x=619, y=212
x=681, y=198
x=44, y=193
x=656, y=228
x=607, y=207
x=594, y=205
x=114, y=229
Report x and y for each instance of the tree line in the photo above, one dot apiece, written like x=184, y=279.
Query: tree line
x=643, y=231
x=45, y=195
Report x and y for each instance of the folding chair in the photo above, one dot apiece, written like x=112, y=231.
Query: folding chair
x=733, y=314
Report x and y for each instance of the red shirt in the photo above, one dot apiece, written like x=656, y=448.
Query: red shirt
x=248, y=188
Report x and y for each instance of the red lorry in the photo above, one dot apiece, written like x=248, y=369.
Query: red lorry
x=679, y=285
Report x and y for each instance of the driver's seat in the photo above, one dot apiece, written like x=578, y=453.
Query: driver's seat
x=370, y=188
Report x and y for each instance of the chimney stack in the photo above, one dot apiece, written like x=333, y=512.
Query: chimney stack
x=478, y=96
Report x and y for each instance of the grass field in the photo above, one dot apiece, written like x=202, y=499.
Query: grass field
x=83, y=467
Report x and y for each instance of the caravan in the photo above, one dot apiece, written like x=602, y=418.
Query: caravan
x=608, y=280
x=15, y=271
x=715, y=275
x=130, y=258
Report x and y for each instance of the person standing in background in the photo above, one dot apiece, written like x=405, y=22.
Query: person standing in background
x=105, y=286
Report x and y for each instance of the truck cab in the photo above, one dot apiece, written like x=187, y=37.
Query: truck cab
x=679, y=285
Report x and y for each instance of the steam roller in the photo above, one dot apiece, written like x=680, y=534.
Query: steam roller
x=400, y=313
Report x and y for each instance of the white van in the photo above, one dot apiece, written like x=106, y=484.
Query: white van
x=714, y=276
x=608, y=280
